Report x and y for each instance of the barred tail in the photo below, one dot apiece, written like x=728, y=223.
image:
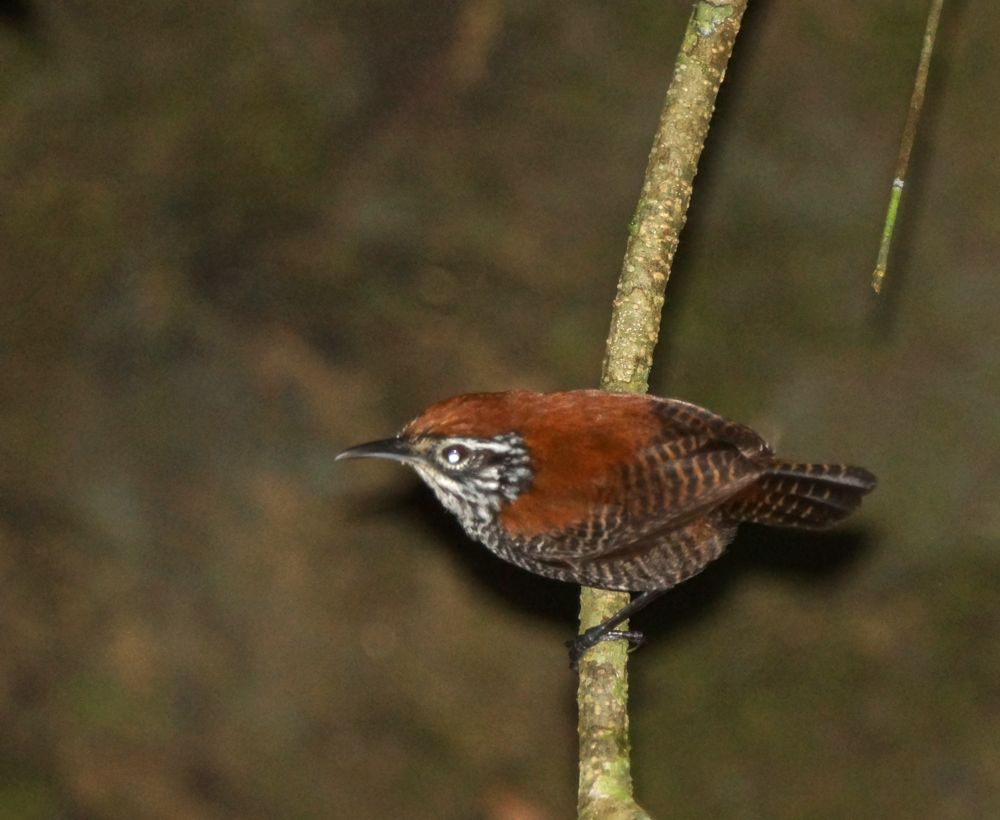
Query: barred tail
x=802, y=495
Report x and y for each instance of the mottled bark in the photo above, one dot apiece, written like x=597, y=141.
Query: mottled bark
x=605, y=786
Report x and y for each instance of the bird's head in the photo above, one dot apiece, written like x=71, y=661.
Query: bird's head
x=466, y=451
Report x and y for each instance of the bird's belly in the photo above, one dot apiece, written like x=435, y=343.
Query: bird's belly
x=656, y=561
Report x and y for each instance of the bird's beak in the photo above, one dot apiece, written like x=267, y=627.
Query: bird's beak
x=396, y=449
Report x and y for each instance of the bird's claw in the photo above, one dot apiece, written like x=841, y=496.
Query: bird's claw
x=593, y=636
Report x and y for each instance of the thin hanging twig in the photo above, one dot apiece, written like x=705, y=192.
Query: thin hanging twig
x=906, y=143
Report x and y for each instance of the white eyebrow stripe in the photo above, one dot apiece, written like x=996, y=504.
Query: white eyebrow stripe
x=494, y=446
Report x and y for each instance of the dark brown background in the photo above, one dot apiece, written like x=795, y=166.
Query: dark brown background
x=236, y=237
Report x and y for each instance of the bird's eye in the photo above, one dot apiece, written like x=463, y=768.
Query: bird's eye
x=455, y=455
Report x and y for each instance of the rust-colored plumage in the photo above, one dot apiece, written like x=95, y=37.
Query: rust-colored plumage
x=616, y=491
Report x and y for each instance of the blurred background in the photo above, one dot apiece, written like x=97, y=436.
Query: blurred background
x=238, y=237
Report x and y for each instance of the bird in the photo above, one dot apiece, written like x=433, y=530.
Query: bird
x=619, y=491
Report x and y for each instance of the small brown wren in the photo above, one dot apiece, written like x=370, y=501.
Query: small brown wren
x=618, y=491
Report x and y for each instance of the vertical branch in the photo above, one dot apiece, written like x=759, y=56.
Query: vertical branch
x=906, y=142
x=605, y=786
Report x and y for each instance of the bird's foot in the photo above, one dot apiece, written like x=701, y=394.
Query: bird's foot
x=593, y=636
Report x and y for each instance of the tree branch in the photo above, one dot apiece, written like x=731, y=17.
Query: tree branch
x=605, y=786
x=906, y=142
